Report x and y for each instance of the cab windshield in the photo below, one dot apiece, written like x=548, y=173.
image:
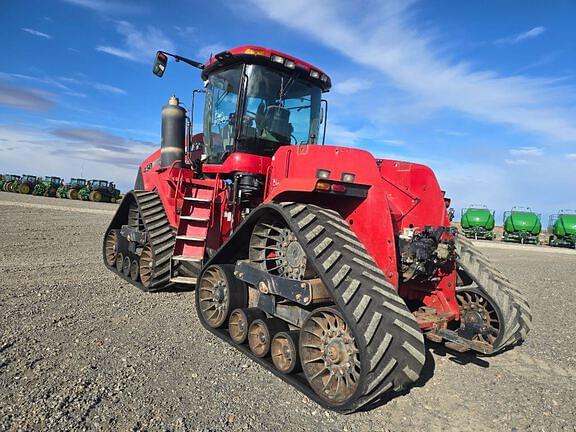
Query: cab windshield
x=278, y=108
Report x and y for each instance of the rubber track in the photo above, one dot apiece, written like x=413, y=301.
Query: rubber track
x=514, y=305
x=160, y=234
x=389, y=339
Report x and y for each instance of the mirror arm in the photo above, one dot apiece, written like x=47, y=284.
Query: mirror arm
x=184, y=60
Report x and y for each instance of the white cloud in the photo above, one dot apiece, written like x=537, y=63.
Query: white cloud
x=107, y=7
x=571, y=156
x=394, y=142
x=527, y=151
x=89, y=152
x=138, y=45
x=416, y=63
x=517, y=162
x=28, y=99
x=530, y=34
x=206, y=51
x=36, y=33
x=351, y=86
x=64, y=83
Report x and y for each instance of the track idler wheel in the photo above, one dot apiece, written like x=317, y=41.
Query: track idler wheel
x=240, y=321
x=330, y=356
x=284, y=352
x=220, y=292
x=260, y=335
x=111, y=248
x=480, y=317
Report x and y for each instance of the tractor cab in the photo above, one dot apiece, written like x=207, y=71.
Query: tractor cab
x=55, y=181
x=28, y=179
x=98, y=184
x=77, y=182
x=256, y=100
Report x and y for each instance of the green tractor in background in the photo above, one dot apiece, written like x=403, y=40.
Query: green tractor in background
x=100, y=191
x=47, y=186
x=562, y=229
x=26, y=184
x=72, y=189
x=7, y=181
x=522, y=225
x=478, y=222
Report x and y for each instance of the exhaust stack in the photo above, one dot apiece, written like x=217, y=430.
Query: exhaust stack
x=173, y=134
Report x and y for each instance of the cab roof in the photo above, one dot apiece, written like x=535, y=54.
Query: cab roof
x=261, y=55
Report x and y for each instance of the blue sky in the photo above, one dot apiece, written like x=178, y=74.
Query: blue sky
x=484, y=92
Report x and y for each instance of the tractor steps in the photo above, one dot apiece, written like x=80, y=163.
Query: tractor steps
x=192, y=232
x=186, y=258
x=197, y=199
x=190, y=238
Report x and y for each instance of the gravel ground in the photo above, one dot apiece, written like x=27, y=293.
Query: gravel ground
x=80, y=349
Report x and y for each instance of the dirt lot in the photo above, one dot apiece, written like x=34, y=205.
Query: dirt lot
x=80, y=349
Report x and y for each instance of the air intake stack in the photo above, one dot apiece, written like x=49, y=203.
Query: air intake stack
x=173, y=133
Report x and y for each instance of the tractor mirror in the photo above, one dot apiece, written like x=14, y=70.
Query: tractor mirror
x=160, y=64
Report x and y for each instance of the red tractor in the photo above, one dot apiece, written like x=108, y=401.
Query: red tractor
x=321, y=263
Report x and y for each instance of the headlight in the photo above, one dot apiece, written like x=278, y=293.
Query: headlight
x=322, y=174
x=348, y=177
x=277, y=59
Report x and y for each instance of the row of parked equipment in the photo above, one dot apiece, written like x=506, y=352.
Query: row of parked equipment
x=51, y=186
x=521, y=225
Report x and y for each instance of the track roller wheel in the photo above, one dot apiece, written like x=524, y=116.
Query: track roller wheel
x=110, y=245
x=134, y=270
x=146, y=266
x=119, y=261
x=330, y=356
x=260, y=335
x=220, y=292
x=126, y=264
x=480, y=316
x=284, y=352
x=240, y=320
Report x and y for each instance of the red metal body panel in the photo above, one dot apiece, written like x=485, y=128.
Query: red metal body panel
x=265, y=52
x=240, y=162
x=400, y=196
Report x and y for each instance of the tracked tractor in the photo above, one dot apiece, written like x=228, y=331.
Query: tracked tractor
x=25, y=185
x=522, y=225
x=47, y=186
x=7, y=182
x=562, y=229
x=477, y=222
x=322, y=264
x=70, y=190
x=99, y=191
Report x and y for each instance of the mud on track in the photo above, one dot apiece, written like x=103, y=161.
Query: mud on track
x=80, y=349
